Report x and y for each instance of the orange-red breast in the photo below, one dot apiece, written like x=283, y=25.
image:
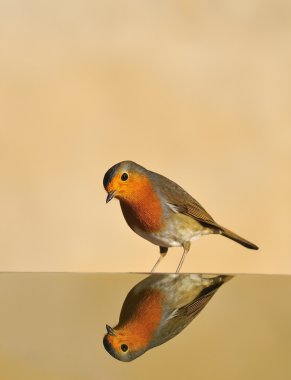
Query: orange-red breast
x=159, y=210
x=157, y=309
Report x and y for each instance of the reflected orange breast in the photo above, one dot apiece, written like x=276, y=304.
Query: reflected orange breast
x=139, y=323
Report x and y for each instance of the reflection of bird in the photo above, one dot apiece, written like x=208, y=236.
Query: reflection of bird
x=159, y=210
x=157, y=309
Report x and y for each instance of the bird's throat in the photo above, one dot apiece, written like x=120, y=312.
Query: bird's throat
x=143, y=211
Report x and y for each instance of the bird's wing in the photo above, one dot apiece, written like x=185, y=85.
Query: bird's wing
x=180, y=201
x=195, y=211
x=194, y=307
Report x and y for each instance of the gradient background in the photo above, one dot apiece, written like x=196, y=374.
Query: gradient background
x=52, y=326
x=197, y=91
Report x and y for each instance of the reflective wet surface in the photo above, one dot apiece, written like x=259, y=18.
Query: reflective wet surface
x=52, y=327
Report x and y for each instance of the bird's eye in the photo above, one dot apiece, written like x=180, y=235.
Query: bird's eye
x=124, y=177
x=124, y=347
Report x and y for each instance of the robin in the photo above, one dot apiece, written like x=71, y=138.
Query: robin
x=157, y=309
x=159, y=210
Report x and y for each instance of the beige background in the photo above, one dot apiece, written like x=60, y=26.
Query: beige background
x=52, y=326
x=197, y=91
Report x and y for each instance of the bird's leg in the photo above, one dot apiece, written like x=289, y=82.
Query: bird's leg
x=186, y=247
x=163, y=252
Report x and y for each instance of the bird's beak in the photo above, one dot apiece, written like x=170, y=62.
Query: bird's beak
x=110, y=196
x=110, y=330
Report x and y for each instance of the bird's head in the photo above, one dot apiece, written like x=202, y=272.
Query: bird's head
x=125, y=181
x=124, y=345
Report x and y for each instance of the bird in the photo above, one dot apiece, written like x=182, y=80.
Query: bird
x=157, y=309
x=161, y=211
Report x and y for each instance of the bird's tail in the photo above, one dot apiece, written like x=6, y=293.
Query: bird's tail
x=231, y=235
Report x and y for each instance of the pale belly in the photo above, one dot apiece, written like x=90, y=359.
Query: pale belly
x=179, y=229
